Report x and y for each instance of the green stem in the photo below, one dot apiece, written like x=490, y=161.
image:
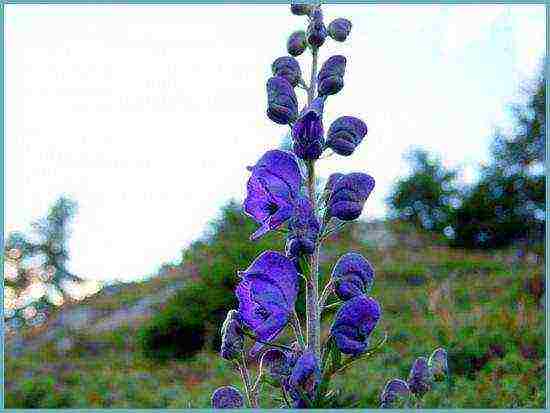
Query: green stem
x=252, y=402
x=298, y=329
x=325, y=294
x=312, y=290
x=267, y=343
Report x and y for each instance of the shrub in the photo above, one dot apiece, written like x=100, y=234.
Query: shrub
x=39, y=393
x=428, y=196
x=191, y=319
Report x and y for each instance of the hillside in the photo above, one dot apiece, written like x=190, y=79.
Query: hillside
x=486, y=308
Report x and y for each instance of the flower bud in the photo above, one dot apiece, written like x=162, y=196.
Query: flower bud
x=277, y=365
x=339, y=29
x=331, y=76
x=300, y=9
x=348, y=194
x=282, y=104
x=352, y=275
x=232, y=337
x=304, y=229
x=420, y=377
x=316, y=31
x=354, y=323
x=438, y=364
x=287, y=67
x=305, y=378
x=296, y=43
x=395, y=395
x=307, y=132
x=227, y=397
x=345, y=134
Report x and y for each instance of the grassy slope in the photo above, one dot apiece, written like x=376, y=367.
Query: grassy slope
x=484, y=307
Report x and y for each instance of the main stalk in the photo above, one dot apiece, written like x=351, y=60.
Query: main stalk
x=312, y=290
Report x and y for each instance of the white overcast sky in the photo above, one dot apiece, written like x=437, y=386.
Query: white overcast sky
x=148, y=115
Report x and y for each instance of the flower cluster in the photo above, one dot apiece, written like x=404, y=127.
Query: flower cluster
x=424, y=373
x=282, y=197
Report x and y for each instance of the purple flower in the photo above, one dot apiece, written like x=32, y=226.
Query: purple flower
x=331, y=76
x=275, y=180
x=438, y=364
x=316, y=31
x=395, y=394
x=304, y=229
x=232, y=337
x=277, y=364
x=282, y=104
x=348, y=194
x=307, y=132
x=296, y=44
x=419, y=377
x=339, y=29
x=352, y=276
x=354, y=323
x=304, y=379
x=332, y=179
x=227, y=397
x=287, y=67
x=266, y=295
x=300, y=9
x=345, y=134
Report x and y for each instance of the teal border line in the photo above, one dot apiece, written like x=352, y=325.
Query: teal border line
x=245, y=2
x=199, y=2
x=2, y=108
x=546, y=244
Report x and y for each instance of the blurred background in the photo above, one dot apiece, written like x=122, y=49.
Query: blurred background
x=128, y=132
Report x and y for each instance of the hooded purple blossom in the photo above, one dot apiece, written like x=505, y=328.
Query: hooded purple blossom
x=267, y=294
x=300, y=9
x=352, y=276
x=232, y=337
x=438, y=364
x=274, y=182
x=331, y=76
x=287, y=67
x=304, y=379
x=339, y=29
x=345, y=134
x=395, y=393
x=354, y=323
x=348, y=194
x=282, y=104
x=316, y=31
x=420, y=377
x=277, y=364
x=227, y=397
x=307, y=132
x=296, y=44
x=304, y=229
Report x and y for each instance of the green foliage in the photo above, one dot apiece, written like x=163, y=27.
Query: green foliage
x=505, y=206
x=500, y=209
x=428, y=196
x=508, y=203
x=47, y=243
x=192, y=318
x=471, y=303
x=42, y=393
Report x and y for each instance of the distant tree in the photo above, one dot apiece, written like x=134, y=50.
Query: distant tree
x=428, y=196
x=508, y=203
x=37, y=263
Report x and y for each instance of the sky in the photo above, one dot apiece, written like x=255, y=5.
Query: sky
x=148, y=115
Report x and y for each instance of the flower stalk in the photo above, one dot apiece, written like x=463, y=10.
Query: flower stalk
x=282, y=197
